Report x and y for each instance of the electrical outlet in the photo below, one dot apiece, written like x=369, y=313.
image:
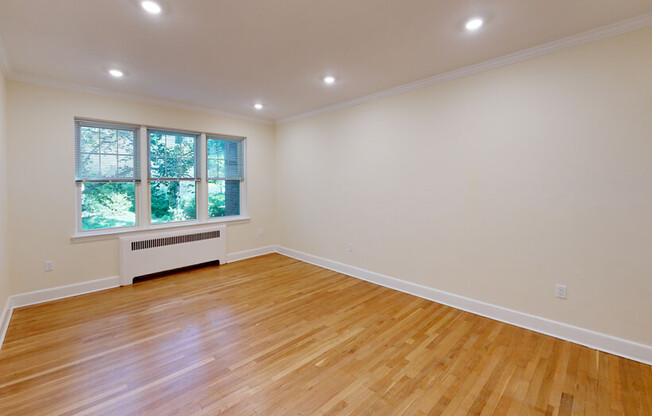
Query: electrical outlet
x=351, y=247
x=560, y=291
x=49, y=266
x=261, y=232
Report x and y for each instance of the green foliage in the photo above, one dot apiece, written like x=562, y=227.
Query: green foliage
x=106, y=205
x=216, y=199
x=173, y=201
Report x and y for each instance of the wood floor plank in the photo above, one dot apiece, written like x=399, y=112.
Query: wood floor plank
x=275, y=336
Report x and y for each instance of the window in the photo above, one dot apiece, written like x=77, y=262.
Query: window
x=191, y=178
x=107, y=169
x=173, y=176
x=225, y=173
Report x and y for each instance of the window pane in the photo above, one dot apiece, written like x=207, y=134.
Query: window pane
x=125, y=166
x=224, y=159
x=188, y=147
x=157, y=144
x=232, y=150
x=216, y=168
x=223, y=198
x=108, y=205
x=109, y=166
x=90, y=140
x=211, y=145
x=173, y=201
x=172, y=146
x=125, y=142
x=106, y=153
x=187, y=168
x=108, y=141
x=157, y=168
x=172, y=170
x=90, y=165
x=212, y=168
x=172, y=155
x=232, y=169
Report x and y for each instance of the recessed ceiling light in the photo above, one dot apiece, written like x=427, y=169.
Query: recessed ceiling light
x=474, y=24
x=329, y=80
x=116, y=73
x=258, y=106
x=151, y=7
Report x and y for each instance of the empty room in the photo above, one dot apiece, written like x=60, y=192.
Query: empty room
x=294, y=207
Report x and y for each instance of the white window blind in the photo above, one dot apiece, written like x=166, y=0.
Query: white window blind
x=224, y=158
x=173, y=155
x=106, y=152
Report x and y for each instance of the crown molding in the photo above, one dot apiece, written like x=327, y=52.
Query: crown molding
x=71, y=86
x=615, y=29
x=603, y=32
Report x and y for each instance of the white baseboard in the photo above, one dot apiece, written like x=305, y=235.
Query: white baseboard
x=5, y=317
x=588, y=338
x=607, y=343
x=247, y=254
x=46, y=295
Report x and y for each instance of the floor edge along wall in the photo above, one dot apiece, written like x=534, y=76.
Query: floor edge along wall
x=602, y=342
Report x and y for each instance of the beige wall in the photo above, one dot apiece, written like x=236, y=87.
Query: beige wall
x=42, y=190
x=4, y=276
x=494, y=187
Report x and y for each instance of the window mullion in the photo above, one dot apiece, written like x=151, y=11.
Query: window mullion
x=243, y=182
x=78, y=209
x=202, y=185
x=143, y=198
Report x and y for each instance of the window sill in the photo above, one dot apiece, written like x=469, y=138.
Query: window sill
x=116, y=233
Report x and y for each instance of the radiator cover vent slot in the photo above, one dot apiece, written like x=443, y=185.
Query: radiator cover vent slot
x=177, y=239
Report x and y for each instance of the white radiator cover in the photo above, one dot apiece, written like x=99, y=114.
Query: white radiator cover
x=160, y=251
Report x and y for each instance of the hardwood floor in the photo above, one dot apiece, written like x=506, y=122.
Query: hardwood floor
x=274, y=336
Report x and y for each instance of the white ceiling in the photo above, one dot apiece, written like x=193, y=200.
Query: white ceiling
x=228, y=54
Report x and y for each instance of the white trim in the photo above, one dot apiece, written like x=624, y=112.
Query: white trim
x=201, y=193
x=5, y=317
x=244, y=183
x=47, y=295
x=588, y=338
x=247, y=254
x=143, y=202
x=61, y=292
x=603, y=342
x=153, y=228
x=615, y=29
x=71, y=86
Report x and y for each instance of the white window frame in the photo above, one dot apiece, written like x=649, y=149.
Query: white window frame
x=242, y=182
x=198, y=156
x=143, y=197
x=80, y=182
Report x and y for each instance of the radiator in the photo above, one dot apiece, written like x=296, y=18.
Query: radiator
x=157, y=252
